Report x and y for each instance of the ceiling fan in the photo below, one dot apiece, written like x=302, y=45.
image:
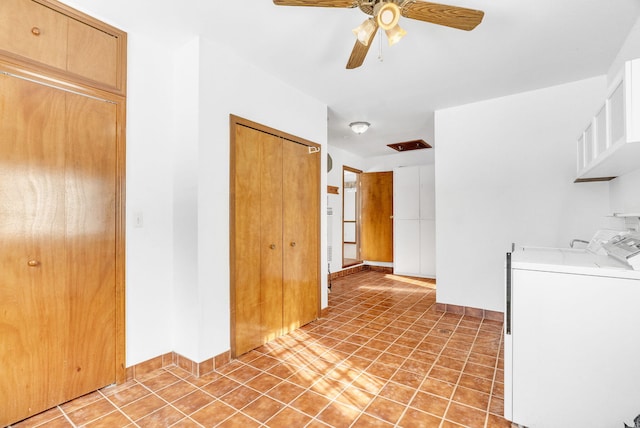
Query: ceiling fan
x=385, y=14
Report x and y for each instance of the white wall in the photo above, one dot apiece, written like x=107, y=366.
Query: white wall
x=504, y=173
x=630, y=49
x=149, y=193
x=225, y=84
x=625, y=193
x=178, y=177
x=185, y=296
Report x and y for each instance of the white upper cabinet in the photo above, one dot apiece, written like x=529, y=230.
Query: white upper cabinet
x=610, y=144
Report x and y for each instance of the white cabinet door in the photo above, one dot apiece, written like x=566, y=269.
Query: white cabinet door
x=406, y=258
x=414, y=221
x=406, y=193
x=428, y=248
x=427, y=193
x=613, y=147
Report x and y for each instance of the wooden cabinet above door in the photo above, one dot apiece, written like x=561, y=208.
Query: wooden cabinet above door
x=46, y=33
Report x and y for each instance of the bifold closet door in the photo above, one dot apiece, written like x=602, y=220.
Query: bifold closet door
x=275, y=235
x=57, y=247
x=258, y=238
x=301, y=225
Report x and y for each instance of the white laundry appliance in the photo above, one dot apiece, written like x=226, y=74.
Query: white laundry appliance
x=572, y=339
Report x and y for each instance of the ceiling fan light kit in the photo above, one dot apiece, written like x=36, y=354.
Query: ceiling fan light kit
x=386, y=14
x=359, y=127
x=366, y=31
x=395, y=34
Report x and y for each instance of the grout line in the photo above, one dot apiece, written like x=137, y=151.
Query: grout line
x=466, y=361
x=65, y=416
x=164, y=370
x=495, y=375
x=118, y=408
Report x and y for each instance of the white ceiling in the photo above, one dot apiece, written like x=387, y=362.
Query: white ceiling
x=520, y=45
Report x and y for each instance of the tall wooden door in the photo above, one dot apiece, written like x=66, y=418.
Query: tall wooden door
x=274, y=236
x=376, y=216
x=301, y=226
x=57, y=247
x=257, y=242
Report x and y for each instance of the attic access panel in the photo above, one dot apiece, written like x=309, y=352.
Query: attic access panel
x=410, y=145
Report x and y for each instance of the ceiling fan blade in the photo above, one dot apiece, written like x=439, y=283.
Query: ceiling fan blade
x=358, y=55
x=360, y=50
x=442, y=14
x=317, y=3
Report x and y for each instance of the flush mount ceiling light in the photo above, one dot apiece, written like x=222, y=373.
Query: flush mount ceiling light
x=359, y=127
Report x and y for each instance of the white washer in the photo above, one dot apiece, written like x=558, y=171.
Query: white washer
x=572, y=339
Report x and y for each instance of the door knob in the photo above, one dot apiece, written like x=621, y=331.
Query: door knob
x=272, y=246
x=293, y=244
x=33, y=263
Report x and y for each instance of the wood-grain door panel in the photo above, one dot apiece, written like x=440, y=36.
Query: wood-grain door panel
x=32, y=236
x=92, y=53
x=270, y=215
x=90, y=191
x=57, y=247
x=247, y=253
x=376, y=216
x=274, y=235
x=301, y=223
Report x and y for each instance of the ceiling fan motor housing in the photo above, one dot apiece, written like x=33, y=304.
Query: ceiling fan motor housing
x=369, y=6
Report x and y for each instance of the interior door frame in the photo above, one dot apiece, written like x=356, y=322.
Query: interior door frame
x=239, y=121
x=39, y=75
x=357, y=207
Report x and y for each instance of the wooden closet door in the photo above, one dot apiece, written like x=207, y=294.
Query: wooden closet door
x=57, y=247
x=301, y=239
x=271, y=236
x=257, y=240
x=90, y=208
x=32, y=237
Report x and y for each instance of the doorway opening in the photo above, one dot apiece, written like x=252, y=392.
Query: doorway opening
x=350, y=216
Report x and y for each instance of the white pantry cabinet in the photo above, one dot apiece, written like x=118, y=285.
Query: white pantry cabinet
x=609, y=146
x=414, y=221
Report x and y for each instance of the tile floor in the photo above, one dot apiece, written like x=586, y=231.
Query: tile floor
x=383, y=357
